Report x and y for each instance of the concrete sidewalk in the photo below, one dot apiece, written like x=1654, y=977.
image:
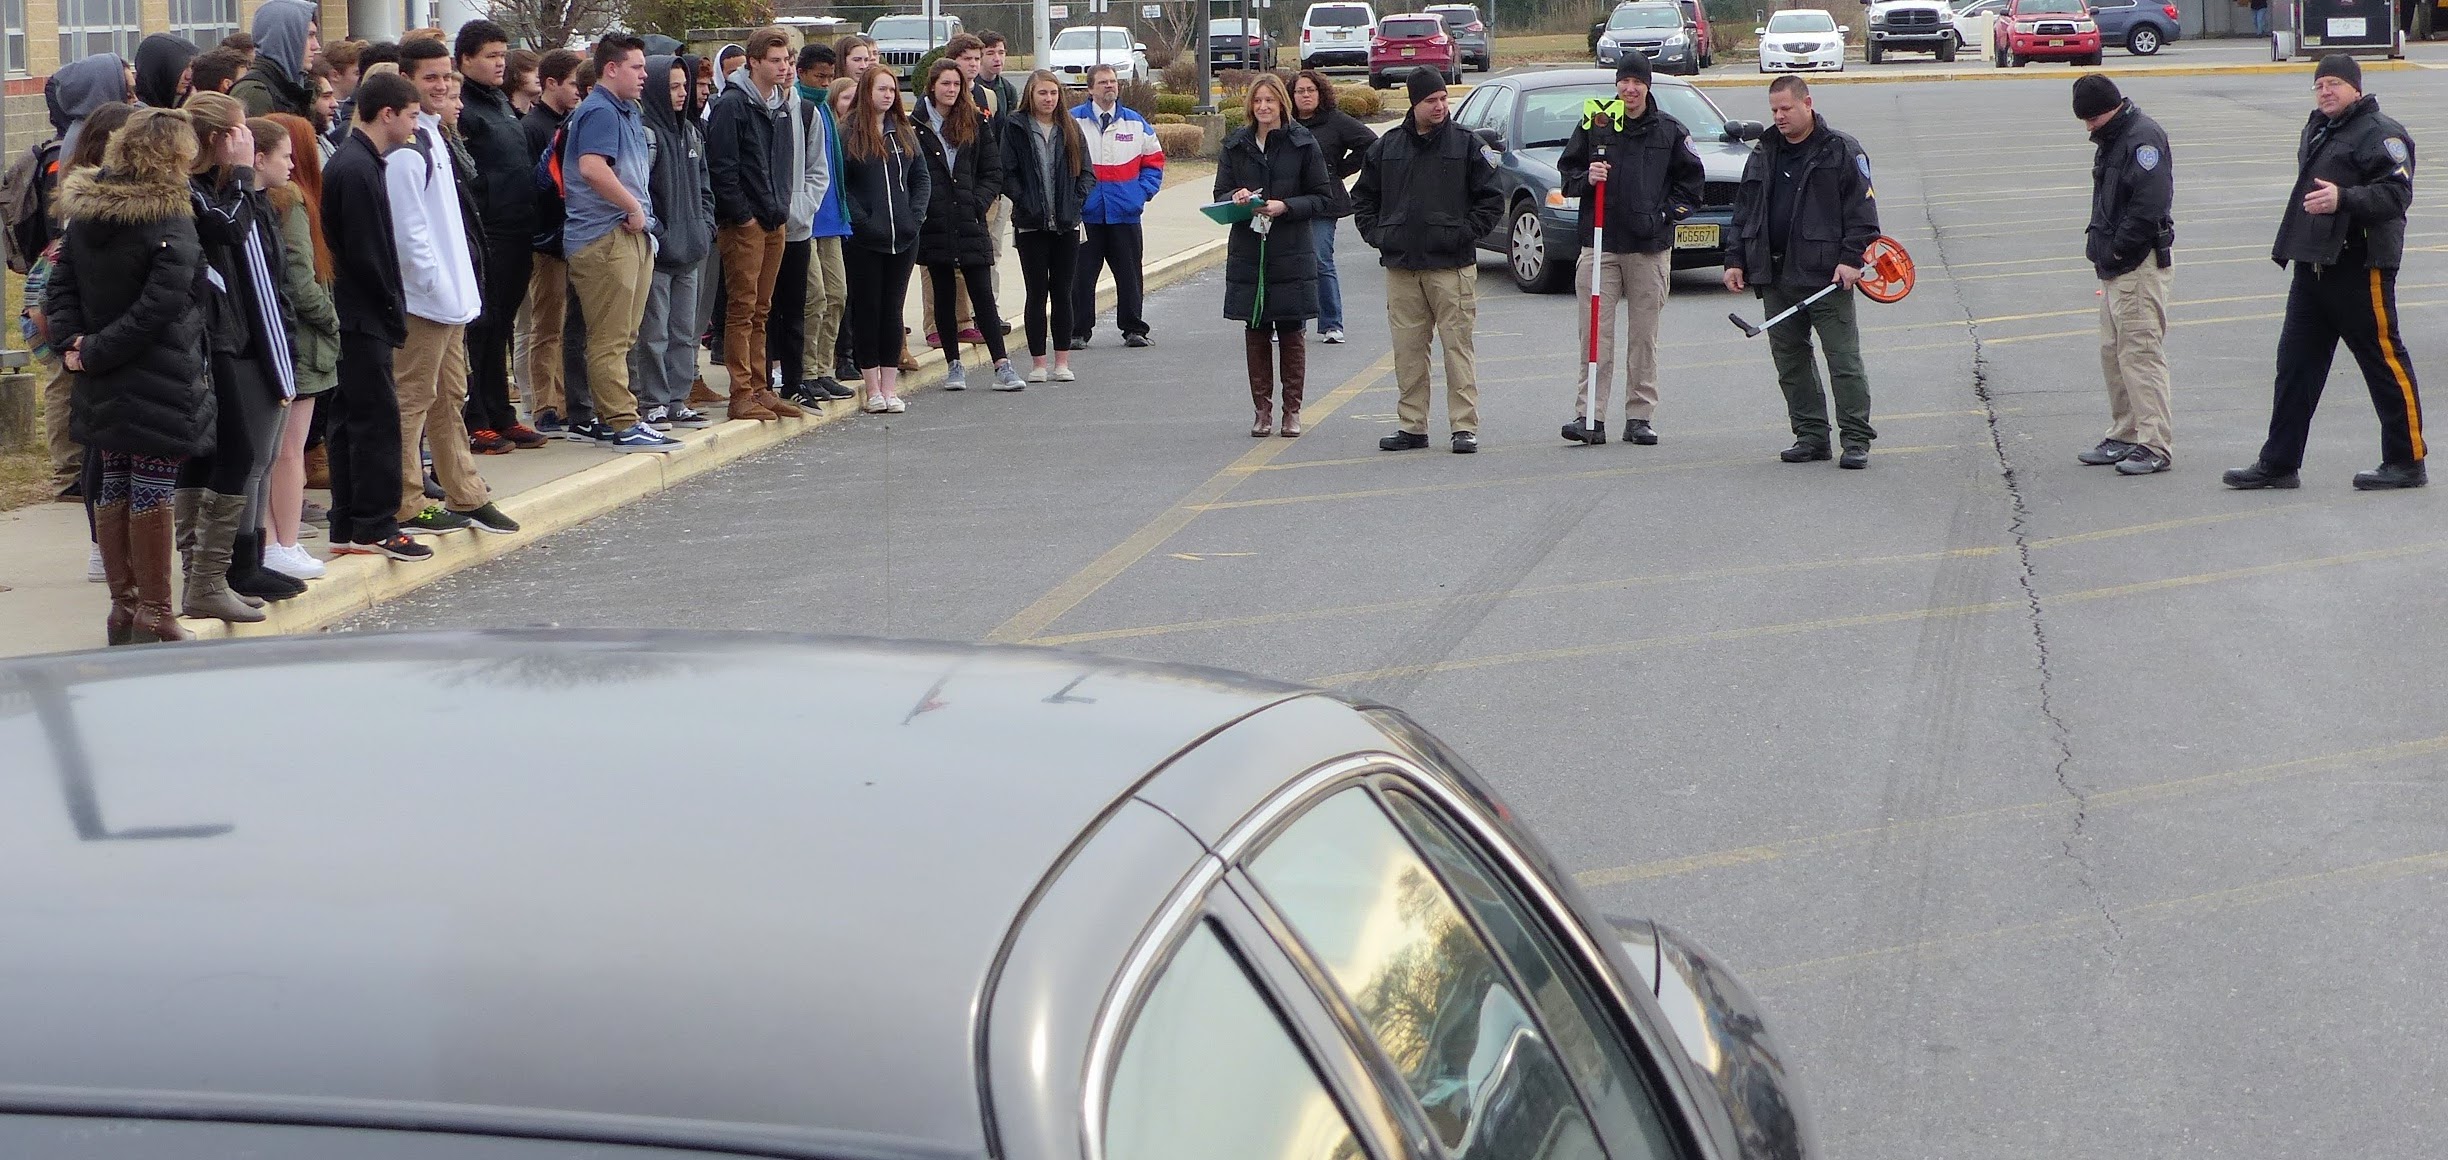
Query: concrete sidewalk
x=47, y=605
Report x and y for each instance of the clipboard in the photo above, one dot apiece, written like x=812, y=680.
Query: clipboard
x=1227, y=213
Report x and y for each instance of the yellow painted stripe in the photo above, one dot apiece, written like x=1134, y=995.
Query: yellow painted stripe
x=2388, y=351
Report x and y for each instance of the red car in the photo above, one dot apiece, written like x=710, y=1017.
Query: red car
x=2030, y=30
x=1410, y=42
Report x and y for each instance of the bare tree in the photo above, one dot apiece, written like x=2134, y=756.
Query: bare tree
x=549, y=24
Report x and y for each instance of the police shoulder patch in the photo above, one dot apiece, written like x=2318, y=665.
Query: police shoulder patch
x=2396, y=150
x=1861, y=161
x=2147, y=157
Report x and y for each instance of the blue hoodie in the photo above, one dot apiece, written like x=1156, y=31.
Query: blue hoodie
x=832, y=219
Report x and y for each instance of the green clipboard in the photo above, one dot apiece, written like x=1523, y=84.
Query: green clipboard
x=1226, y=213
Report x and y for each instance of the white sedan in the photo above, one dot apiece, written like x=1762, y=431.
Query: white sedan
x=1802, y=40
x=1077, y=50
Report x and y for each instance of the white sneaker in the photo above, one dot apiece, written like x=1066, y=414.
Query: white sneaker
x=895, y=406
x=93, y=567
x=1064, y=375
x=1037, y=374
x=1334, y=336
x=877, y=405
x=293, y=561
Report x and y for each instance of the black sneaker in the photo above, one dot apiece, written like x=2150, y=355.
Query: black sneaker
x=490, y=519
x=1583, y=431
x=689, y=420
x=845, y=368
x=1135, y=341
x=590, y=431
x=2109, y=451
x=2392, y=476
x=832, y=388
x=434, y=521
x=1805, y=453
x=2261, y=475
x=548, y=421
x=1856, y=456
x=1639, y=431
x=398, y=547
x=1403, y=441
x=1466, y=442
x=805, y=395
x=657, y=417
x=2144, y=461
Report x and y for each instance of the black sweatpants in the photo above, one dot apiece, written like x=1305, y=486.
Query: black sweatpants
x=508, y=263
x=786, y=325
x=980, y=280
x=1049, y=261
x=361, y=435
x=1123, y=248
x=2355, y=305
x=245, y=421
x=879, y=285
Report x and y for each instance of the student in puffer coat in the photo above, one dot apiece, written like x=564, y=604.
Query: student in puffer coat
x=965, y=167
x=1270, y=278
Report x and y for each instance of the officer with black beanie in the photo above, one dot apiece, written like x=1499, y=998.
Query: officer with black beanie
x=2344, y=231
x=2129, y=244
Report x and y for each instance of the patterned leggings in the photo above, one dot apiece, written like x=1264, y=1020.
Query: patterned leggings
x=143, y=482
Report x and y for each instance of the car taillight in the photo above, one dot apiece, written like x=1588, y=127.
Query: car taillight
x=2171, y=12
x=1439, y=38
x=1475, y=26
x=1304, y=36
x=1254, y=42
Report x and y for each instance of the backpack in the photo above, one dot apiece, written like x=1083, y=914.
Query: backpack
x=25, y=204
x=552, y=211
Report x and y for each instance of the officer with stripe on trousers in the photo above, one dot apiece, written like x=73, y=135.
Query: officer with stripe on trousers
x=2129, y=243
x=2344, y=230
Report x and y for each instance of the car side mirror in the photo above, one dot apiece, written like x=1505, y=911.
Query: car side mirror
x=1759, y=32
x=1138, y=47
x=1738, y=131
x=1843, y=29
x=1494, y=138
x=1758, y=1111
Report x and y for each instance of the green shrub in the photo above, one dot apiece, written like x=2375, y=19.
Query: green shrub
x=1360, y=101
x=1168, y=119
x=1178, y=104
x=1181, y=76
x=1181, y=140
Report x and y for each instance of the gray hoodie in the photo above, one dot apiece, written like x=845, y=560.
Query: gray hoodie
x=87, y=84
x=808, y=165
x=280, y=36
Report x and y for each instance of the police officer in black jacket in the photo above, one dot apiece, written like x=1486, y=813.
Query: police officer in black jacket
x=2344, y=230
x=1654, y=179
x=1804, y=215
x=2128, y=243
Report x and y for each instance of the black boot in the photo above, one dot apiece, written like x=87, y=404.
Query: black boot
x=1403, y=441
x=248, y=576
x=1639, y=431
x=1805, y=453
x=2392, y=476
x=2261, y=475
x=1584, y=431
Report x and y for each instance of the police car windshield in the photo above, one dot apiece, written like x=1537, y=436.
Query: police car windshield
x=1646, y=16
x=1810, y=21
x=1548, y=116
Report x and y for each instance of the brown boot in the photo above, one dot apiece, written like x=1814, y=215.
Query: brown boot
x=1294, y=352
x=909, y=363
x=318, y=469
x=111, y=538
x=700, y=393
x=777, y=404
x=744, y=405
x=149, y=551
x=1258, y=352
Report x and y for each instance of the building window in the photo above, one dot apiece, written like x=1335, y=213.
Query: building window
x=13, y=15
x=88, y=27
x=204, y=22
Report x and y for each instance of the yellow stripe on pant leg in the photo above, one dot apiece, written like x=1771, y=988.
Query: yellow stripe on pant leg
x=2388, y=351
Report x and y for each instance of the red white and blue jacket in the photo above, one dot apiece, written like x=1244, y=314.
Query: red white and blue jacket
x=1129, y=164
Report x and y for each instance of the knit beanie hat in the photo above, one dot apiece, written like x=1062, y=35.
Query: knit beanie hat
x=1633, y=63
x=2341, y=66
x=2095, y=94
x=1426, y=83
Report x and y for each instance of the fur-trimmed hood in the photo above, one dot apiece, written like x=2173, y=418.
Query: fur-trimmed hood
x=103, y=196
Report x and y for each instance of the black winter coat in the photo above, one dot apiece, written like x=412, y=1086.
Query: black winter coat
x=366, y=287
x=1346, y=143
x=1290, y=169
x=1034, y=207
x=2370, y=158
x=741, y=143
x=887, y=197
x=962, y=185
x=2133, y=195
x=1425, y=200
x=241, y=315
x=1835, y=216
x=503, y=183
x=546, y=208
x=1654, y=180
x=130, y=283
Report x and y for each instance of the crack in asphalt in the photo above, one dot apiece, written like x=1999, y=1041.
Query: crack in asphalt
x=2061, y=734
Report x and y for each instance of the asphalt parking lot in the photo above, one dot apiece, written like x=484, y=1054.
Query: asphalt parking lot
x=2053, y=813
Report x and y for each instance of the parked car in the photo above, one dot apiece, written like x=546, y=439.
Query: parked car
x=1525, y=119
x=1974, y=22
x=1704, y=35
x=1408, y=43
x=1659, y=31
x=2029, y=30
x=902, y=40
x=1336, y=34
x=1080, y=48
x=1238, y=43
x=1470, y=33
x=2142, y=26
x=1910, y=26
x=1804, y=40
x=1026, y=904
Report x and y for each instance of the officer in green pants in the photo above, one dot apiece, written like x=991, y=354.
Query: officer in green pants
x=1804, y=214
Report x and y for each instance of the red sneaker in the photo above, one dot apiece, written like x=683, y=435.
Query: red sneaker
x=524, y=437
x=489, y=442
x=972, y=334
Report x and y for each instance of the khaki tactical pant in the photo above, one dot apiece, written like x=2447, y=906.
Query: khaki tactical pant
x=1637, y=283
x=2133, y=331
x=828, y=297
x=1443, y=304
x=612, y=277
x=432, y=372
x=547, y=302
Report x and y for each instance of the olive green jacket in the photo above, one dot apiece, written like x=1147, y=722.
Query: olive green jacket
x=316, y=341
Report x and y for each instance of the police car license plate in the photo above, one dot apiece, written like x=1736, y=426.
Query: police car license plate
x=1695, y=237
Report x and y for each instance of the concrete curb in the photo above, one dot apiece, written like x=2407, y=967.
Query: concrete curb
x=355, y=584
x=1760, y=80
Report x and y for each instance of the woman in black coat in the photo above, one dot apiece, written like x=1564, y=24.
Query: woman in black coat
x=1047, y=176
x=885, y=189
x=965, y=166
x=1273, y=165
x=1345, y=142
x=125, y=309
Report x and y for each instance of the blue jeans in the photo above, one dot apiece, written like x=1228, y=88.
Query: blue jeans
x=1329, y=284
x=2260, y=21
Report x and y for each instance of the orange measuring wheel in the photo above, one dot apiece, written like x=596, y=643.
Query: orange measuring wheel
x=1887, y=271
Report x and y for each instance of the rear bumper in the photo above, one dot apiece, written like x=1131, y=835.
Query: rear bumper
x=1335, y=56
x=1404, y=67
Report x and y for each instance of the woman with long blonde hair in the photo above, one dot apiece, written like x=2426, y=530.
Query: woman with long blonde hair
x=885, y=187
x=292, y=183
x=1047, y=176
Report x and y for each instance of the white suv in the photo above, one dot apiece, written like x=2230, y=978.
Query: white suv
x=1339, y=33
